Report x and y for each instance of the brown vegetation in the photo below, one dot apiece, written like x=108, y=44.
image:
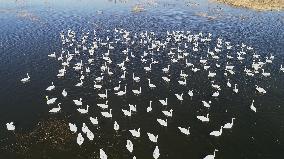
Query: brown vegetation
x=257, y=4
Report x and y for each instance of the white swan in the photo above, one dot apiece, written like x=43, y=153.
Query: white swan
x=217, y=133
x=203, y=118
x=229, y=125
x=252, y=107
x=78, y=102
x=64, y=93
x=104, y=96
x=236, y=90
x=107, y=114
x=115, y=126
x=163, y=122
x=49, y=88
x=26, y=79
x=104, y=105
x=156, y=153
x=137, y=92
x=211, y=156
x=168, y=113
x=206, y=104
x=83, y=111
x=126, y=112
x=190, y=93
x=121, y=93
x=129, y=146
x=94, y=120
x=260, y=89
x=152, y=137
x=103, y=155
x=10, y=126
x=184, y=130
x=55, y=110
x=73, y=127
x=135, y=133
x=149, y=108
x=151, y=85
x=164, y=102
x=50, y=101
x=80, y=139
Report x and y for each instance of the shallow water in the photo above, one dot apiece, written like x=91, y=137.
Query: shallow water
x=29, y=31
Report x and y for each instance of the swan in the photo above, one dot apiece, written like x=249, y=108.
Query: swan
x=129, y=146
x=136, y=79
x=149, y=108
x=137, y=92
x=135, y=133
x=265, y=74
x=151, y=85
x=26, y=79
x=215, y=94
x=73, y=127
x=117, y=88
x=147, y=69
x=211, y=156
x=281, y=68
x=97, y=86
x=10, y=126
x=164, y=102
x=260, y=89
x=132, y=107
x=163, y=122
x=252, y=107
x=236, y=90
x=94, y=120
x=78, y=102
x=49, y=88
x=211, y=74
x=168, y=113
x=80, y=84
x=229, y=84
x=182, y=82
x=102, y=154
x=229, y=125
x=121, y=93
x=107, y=114
x=166, y=70
x=206, y=104
x=104, y=105
x=104, y=96
x=55, y=110
x=126, y=112
x=184, y=130
x=203, y=118
x=80, y=139
x=190, y=93
x=166, y=79
x=83, y=111
x=115, y=126
x=64, y=93
x=217, y=133
x=90, y=135
x=156, y=153
x=52, y=55
x=50, y=101
x=152, y=137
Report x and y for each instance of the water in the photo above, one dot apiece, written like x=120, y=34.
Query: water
x=29, y=31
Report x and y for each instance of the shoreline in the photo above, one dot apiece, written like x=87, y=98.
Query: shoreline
x=261, y=5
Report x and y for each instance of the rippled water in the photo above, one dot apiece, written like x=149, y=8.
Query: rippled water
x=29, y=31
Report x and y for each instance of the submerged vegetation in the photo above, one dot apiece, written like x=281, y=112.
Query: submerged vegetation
x=257, y=4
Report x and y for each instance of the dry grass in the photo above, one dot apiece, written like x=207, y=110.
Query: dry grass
x=257, y=4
